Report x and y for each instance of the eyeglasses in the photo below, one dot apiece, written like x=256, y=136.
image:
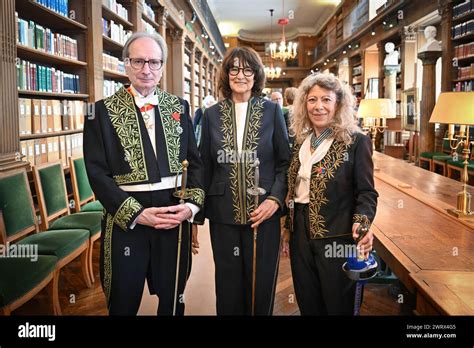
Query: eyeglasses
x=139, y=63
x=234, y=71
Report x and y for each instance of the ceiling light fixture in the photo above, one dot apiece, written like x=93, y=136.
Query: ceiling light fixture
x=285, y=51
x=272, y=72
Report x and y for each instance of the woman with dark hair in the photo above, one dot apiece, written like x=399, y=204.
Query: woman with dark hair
x=235, y=132
x=330, y=194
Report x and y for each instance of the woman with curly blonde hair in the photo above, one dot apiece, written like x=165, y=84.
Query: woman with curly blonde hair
x=330, y=194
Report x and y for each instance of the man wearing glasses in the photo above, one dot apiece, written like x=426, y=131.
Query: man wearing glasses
x=134, y=146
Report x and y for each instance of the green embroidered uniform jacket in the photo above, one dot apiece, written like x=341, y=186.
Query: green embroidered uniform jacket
x=341, y=188
x=228, y=175
x=118, y=151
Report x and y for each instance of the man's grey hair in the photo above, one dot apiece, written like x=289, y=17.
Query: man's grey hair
x=141, y=34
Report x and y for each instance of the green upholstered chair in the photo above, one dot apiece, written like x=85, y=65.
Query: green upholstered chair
x=54, y=207
x=81, y=189
x=22, y=278
x=458, y=165
x=427, y=157
x=18, y=225
x=441, y=160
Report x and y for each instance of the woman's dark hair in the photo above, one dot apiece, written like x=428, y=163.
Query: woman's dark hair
x=248, y=57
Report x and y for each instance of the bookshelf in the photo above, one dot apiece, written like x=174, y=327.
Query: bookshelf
x=356, y=76
x=51, y=79
x=462, y=36
x=69, y=55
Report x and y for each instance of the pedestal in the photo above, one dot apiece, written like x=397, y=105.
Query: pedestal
x=427, y=129
x=391, y=81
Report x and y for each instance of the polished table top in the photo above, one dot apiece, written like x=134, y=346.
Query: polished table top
x=451, y=292
x=419, y=240
x=437, y=186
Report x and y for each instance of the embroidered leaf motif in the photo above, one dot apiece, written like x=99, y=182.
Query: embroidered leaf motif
x=123, y=116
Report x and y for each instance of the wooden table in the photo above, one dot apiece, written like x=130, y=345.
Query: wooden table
x=447, y=293
x=424, y=246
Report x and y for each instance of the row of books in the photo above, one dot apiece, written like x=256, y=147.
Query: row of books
x=114, y=6
x=466, y=72
x=114, y=31
x=465, y=50
x=110, y=87
x=148, y=27
x=41, y=116
x=52, y=149
x=148, y=11
x=357, y=70
x=464, y=86
x=58, y=6
x=463, y=29
x=463, y=8
x=38, y=37
x=112, y=63
x=36, y=77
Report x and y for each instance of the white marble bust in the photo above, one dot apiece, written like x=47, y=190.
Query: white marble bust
x=392, y=55
x=431, y=43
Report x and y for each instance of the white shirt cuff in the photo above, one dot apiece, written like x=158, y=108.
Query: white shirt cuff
x=194, y=209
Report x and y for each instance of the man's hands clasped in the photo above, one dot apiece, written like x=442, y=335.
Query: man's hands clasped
x=165, y=218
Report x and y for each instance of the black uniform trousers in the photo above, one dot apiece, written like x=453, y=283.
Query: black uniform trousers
x=147, y=253
x=232, y=246
x=321, y=286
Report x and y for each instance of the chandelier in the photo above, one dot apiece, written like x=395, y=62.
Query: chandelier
x=285, y=51
x=272, y=72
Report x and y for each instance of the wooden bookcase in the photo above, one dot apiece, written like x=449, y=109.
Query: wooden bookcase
x=100, y=33
x=463, y=46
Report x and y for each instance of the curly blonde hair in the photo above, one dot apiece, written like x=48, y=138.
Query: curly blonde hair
x=344, y=124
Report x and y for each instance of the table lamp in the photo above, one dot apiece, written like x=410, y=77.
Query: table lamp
x=374, y=112
x=457, y=108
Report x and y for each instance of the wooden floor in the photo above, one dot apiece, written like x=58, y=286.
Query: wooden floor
x=76, y=299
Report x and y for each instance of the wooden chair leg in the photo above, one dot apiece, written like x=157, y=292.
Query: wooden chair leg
x=53, y=291
x=89, y=261
x=85, y=267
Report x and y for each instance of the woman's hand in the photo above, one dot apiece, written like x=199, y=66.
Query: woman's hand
x=285, y=243
x=194, y=240
x=263, y=212
x=365, y=244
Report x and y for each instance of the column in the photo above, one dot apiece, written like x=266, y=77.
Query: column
x=192, y=59
x=161, y=17
x=95, y=71
x=445, y=9
x=177, y=47
x=10, y=157
x=427, y=130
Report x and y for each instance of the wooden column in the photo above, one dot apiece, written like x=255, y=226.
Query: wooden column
x=427, y=129
x=192, y=59
x=445, y=9
x=161, y=16
x=10, y=156
x=201, y=78
x=135, y=15
x=177, y=47
x=95, y=71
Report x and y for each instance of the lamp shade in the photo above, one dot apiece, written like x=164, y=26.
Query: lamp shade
x=376, y=108
x=454, y=107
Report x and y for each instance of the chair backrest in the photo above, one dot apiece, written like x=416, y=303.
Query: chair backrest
x=17, y=212
x=81, y=188
x=51, y=192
